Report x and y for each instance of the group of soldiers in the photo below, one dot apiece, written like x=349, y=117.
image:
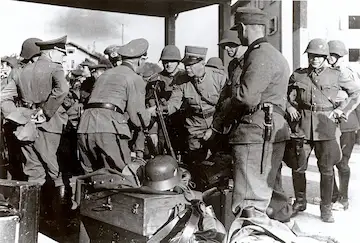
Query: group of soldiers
x=252, y=110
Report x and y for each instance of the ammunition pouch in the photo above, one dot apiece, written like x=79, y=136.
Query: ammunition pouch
x=294, y=151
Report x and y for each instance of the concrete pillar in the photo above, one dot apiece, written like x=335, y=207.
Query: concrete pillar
x=224, y=24
x=287, y=31
x=300, y=34
x=170, y=30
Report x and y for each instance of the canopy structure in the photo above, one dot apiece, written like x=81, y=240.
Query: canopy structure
x=169, y=9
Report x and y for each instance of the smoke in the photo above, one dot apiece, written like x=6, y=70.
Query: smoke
x=87, y=24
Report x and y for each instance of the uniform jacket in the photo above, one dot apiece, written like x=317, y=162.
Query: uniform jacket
x=264, y=79
x=165, y=87
x=234, y=71
x=317, y=125
x=353, y=122
x=198, y=119
x=122, y=87
x=43, y=84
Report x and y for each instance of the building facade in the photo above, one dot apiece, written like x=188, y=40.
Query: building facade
x=294, y=23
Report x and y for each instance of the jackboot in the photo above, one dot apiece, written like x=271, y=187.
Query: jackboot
x=326, y=188
x=299, y=183
x=336, y=193
x=344, y=178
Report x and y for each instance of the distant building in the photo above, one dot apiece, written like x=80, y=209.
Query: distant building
x=77, y=54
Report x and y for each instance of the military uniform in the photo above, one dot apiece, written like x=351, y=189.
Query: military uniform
x=263, y=81
x=316, y=91
x=347, y=141
x=118, y=94
x=43, y=85
x=201, y=108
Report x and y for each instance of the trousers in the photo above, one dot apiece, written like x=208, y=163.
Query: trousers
x=41, y=158
x=103, y=150
x=251, y=187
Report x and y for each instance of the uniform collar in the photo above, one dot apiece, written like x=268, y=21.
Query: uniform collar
x=316, y=71
x=253, y=46
x=127, y=65
x=200, y=79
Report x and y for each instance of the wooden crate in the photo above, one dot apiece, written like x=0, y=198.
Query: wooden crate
x=142, y=214
x=25, y=198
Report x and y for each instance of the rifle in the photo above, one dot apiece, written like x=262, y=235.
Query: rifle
x=152, y=149
x=162, y=121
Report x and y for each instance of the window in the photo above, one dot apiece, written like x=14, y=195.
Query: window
x=354, y=55
x=354, y=22
x=273, y=25
x=72, y=64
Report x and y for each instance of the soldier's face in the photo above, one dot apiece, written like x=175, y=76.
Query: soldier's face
x=170, y=66
x=57, y=56
x=242, y=34
x=196, y=70
x=231, y=49
x=334, y=60
x=316, y=61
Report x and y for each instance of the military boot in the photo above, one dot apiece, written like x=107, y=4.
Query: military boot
x=326, y=188
x=299, y=183
x=344, y=178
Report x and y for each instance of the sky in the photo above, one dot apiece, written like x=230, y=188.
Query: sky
x=22, y=20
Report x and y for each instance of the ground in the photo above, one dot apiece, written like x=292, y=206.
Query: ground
x=345, y=227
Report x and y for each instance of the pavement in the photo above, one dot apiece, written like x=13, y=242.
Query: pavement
x=346, y=226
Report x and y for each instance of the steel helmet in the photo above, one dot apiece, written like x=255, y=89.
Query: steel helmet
x=337, y=47
x=29, y=48
x=170, y=53
x=162, y=173
x=215, y=62
x=318, y=46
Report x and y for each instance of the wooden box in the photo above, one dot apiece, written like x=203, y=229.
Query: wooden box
x=25, y=198
x=142, y=214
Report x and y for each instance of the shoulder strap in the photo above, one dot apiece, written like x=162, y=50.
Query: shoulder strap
x=201, y=95
x=317, y=86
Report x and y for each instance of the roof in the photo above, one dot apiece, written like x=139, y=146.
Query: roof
x=160, y=8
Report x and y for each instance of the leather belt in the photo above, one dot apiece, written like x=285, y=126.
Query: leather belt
x=108, y=106
x=315, y=107
x=276, y=109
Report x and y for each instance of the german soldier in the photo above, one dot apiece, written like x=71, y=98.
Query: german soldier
x=348, y=129
x=316, y=89
x=119, y=94
x=256, y=107
x=171, y=58
x=200, y=87
x=9, y=101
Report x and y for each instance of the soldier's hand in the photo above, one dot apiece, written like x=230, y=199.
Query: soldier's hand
x=152, y=110
x=139, y=154
x=338, y=115
x=38, y=117
x=294, y=114
x=208, y=134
